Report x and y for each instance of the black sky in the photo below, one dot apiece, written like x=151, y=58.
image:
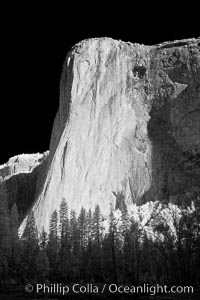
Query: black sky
x=34, y=48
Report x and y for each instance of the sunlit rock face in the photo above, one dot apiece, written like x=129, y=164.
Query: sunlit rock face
x=127, y=128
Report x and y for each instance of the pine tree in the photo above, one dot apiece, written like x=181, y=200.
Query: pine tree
x=112, y=237
x=64, y=220
x=30, y=235
x=97, y=237
x=53, y=225
x=75, y=246
x=87, y=267
x=74, y=233
x=135, y=253
x=126, y=244
x=97, y=226
x=53, y=232
x=89, y=226
x=53, y=244
x=43, y=240
x=125, y=218
x=82, y=225
x=65, y=243
x=64, y=228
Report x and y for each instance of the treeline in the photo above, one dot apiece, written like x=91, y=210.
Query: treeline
x=79, y=248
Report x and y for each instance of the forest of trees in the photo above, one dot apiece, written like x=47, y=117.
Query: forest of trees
x=79, y=249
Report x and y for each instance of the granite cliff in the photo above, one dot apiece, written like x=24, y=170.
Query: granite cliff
x=127, y=129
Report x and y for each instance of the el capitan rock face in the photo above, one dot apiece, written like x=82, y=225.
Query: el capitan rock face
x=128, y=123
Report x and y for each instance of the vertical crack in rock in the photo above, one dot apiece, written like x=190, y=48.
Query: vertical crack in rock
x=63, y=160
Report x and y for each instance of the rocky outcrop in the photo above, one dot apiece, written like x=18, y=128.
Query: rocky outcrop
x=20, y=175
x=23, y=163
x=127, y=129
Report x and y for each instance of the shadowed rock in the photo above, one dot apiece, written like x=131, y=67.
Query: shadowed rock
x=20, y=175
